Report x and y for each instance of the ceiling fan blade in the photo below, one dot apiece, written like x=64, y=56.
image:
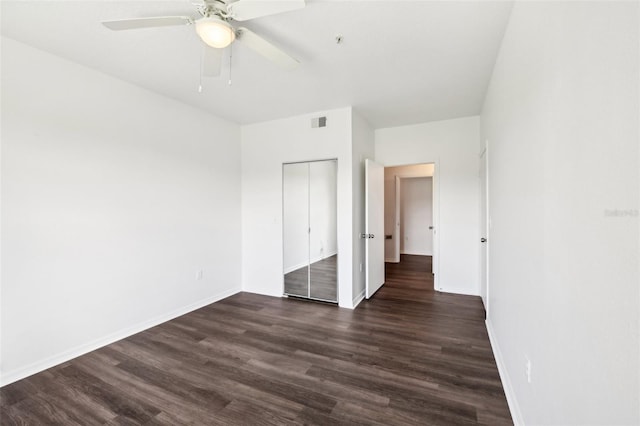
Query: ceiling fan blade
x=211, y=61
x=266, y=49
x=135, y=23
x=243, y=10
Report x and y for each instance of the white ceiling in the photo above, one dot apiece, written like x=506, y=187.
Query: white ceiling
x=401, y=62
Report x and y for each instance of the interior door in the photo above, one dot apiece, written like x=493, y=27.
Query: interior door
x=323, y=243
x=374, y=226
x=295, y=219
x=484, y=255
x=396, y=218
x=428, y=217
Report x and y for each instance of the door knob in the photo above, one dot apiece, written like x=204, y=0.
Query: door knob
x=483, y=240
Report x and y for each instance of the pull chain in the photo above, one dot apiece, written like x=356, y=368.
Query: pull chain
x=201, y=70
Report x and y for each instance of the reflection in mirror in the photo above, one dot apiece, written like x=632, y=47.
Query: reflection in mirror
x=295, y=206
x=323, y=244
x=310, y=230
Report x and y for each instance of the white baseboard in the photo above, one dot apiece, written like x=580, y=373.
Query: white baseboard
x=462, y=293
x=265, y=293
x=294, y=267
x=314, y=260
x=392, y=260
x=38, y=366
x=416, y=253
x=359, y=298
x=514, y=408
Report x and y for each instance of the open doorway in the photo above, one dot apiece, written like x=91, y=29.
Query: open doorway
x=410, y=215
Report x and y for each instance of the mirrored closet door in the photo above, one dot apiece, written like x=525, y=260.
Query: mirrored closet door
x=310, y=230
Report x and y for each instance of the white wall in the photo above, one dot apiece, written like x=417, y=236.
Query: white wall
x=112, y=199
x=265, y=147
x=416, y=207
x=363, y=148
x=453, y=145
x=564, y=247
x=412, y=170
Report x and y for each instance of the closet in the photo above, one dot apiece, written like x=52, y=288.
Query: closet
x=310, y=246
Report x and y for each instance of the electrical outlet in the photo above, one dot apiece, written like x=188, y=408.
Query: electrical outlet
x=199, y=274
x=528, y=370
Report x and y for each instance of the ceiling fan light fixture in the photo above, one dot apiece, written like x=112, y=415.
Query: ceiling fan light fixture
x=215, y=32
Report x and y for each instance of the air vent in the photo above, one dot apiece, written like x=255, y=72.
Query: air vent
x=319, y=122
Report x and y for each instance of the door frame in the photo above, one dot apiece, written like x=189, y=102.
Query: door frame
x=396, y=224
x=485, y=229
x=435, y=267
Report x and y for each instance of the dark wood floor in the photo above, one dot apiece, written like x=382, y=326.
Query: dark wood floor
x=320, y=282
x=407, y=356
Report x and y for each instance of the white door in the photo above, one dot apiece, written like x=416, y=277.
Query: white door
x=429, y=216
x=374, y=226
x=484, y=231
x=396, y=218
x=417, y=216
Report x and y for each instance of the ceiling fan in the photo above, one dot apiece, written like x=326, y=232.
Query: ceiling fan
x=215, y=28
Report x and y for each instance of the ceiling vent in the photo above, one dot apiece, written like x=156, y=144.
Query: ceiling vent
x=319, y=122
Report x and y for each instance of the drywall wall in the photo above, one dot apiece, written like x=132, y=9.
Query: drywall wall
x=416, y=216
x=362, y=149
x=113, y=198
x=265, y=148
x=564, y=248
x=453, y=146
x=412, y=170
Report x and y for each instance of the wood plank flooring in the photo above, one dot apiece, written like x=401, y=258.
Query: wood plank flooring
x=408, y=356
